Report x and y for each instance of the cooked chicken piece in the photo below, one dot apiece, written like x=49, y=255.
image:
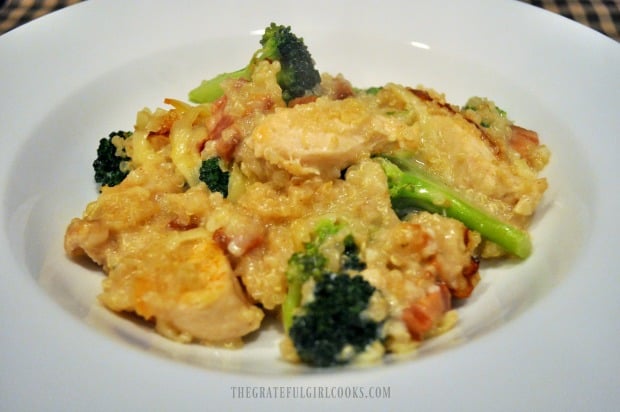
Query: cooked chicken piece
x=481, y=163
x=182, y=281
x=320, y=138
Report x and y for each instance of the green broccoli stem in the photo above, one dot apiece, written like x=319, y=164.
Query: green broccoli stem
x=210, y=90
x=411, y=188
x=297, y=76
x=290, y=304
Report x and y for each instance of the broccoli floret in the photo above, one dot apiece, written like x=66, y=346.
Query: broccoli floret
x=350, y=259
x=297, y=77
x=111, y=159
x=411, y=188
x=215, y=178
x=302, y=266
x=330, y=328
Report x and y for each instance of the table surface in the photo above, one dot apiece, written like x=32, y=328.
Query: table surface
x=600, y=15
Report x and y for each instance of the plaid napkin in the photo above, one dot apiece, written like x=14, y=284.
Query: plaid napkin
x=601, y=15
x=14, y=13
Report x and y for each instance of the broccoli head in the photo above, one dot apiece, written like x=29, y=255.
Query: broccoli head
x=304, y=265
x=350, y=258
x=297, y=77
x=331, y=327
x=213, y=176
x=110, y=164
x=298, y=74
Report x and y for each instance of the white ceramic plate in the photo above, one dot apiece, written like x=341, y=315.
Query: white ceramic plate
x=539, y=335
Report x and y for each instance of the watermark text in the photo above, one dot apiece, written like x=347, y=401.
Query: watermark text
x=311, y=392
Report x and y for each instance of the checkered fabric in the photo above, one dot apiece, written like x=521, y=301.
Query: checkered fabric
x=14, y=13
x=601, y=15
